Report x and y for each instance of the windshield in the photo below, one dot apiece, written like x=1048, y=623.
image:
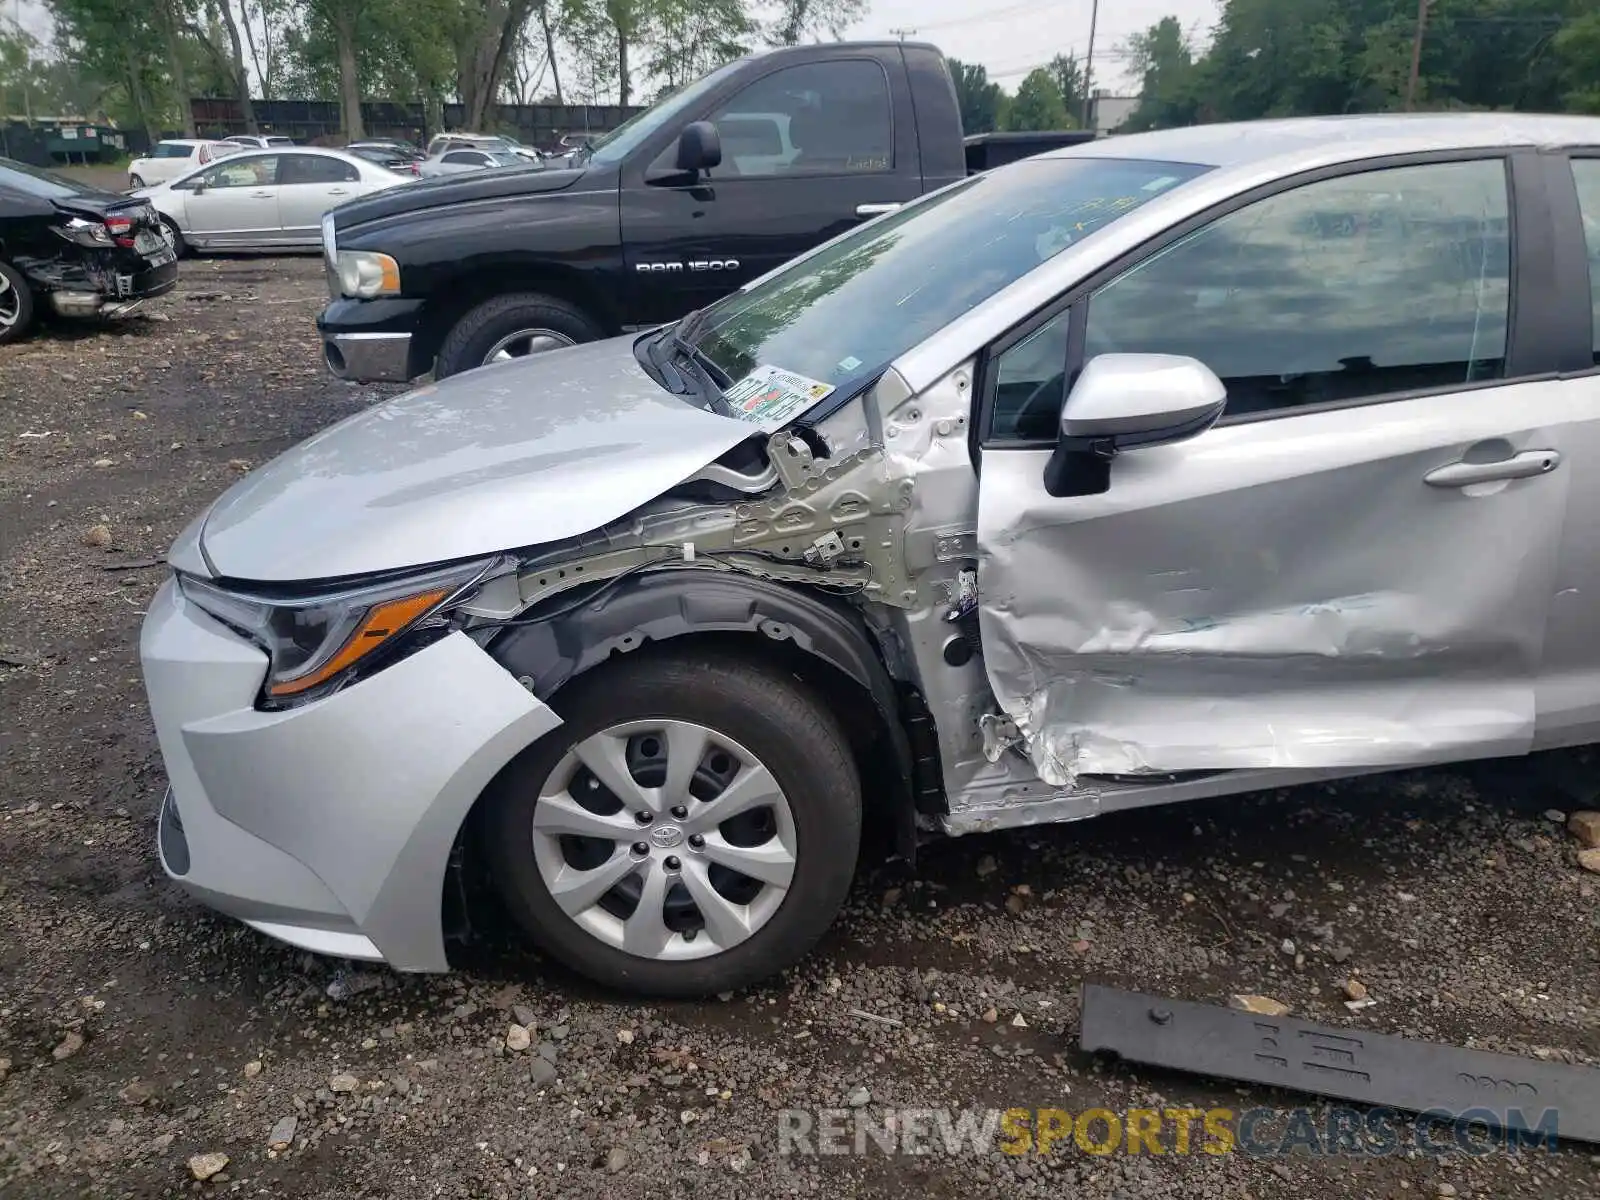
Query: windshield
x=616, y=145
x=839, y=318
x=20, y=177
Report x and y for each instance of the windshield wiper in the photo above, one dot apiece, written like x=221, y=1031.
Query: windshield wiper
x=700, y=369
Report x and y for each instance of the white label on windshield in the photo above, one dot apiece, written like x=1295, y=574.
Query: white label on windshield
x=769, y=395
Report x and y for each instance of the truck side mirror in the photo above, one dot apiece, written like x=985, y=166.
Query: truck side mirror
x=1124, y=402
x=699, y=147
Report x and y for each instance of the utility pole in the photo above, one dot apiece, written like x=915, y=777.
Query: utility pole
x=903, y=34
x=1416, y=54
x=1088, y=69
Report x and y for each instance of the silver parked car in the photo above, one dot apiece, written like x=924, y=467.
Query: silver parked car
x=1165, y=466
x=460, y=159
x=264, y=200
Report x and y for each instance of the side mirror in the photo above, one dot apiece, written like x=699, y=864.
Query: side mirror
x=197, y=186
x=1124, y=402
x=699, y=147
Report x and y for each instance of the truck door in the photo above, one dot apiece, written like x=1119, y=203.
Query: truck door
x=808, y=151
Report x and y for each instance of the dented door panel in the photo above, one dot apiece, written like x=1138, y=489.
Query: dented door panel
x=1282, y=594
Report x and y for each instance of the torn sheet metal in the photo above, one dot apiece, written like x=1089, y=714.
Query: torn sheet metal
x=1282, y=594
x=1521, y=1095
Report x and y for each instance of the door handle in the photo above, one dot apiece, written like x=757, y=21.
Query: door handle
x=261, y=195
x=874, y=210
x=338, y=192
x=1519, y=466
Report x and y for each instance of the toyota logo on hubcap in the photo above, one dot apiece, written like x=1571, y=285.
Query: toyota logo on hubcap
x=665, y=837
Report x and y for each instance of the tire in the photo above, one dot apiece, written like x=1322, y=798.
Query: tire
x=477, y=335
x=135, y=183
x=766, y=716
x=179, y=246
x=16, y=305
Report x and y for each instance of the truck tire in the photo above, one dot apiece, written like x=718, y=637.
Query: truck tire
x=513, y=326
x=16, y=304
x=660, y=906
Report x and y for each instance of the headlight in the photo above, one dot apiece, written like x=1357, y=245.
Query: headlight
x=365, y=274
x=85, y=233
x=316, y=643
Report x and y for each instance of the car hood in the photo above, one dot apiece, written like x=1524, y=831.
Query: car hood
x=439, y=190
x=508, y=456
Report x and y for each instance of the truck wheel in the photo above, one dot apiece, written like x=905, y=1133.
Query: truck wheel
x=16, y=304
x=691, y=828
x=513, y=326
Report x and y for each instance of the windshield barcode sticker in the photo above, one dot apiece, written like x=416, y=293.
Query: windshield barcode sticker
x=770, y=395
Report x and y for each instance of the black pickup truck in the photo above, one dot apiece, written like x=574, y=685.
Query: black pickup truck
x=735, y=174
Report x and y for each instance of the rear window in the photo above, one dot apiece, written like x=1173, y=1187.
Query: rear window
x=31, y=181
x=170, y=150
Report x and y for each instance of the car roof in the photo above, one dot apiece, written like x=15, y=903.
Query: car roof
x=1340, y=137
x=191, y=141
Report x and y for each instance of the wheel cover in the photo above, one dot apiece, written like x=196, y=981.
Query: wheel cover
x=10, y=304
x=525, y=342
x=664, y=839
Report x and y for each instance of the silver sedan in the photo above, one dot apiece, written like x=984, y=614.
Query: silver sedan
x=463, y=159
x=1168, y=466
x=264, y=199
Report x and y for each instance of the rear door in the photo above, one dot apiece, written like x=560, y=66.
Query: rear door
x=1356, y=566
x=308, y=186
x=810, y=150
x=237, y=204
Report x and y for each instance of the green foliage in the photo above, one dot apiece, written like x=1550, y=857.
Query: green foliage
x=980, y=100
x=1270, y=58
x=1038, y=103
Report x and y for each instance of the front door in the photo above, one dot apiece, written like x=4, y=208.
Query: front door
x=1355, y=567
x=808, y=152
x=237, y=203
x=308, y=186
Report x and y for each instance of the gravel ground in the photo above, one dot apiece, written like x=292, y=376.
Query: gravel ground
x=140, y=1033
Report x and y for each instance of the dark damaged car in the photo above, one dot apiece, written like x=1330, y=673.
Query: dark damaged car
x=74, y=250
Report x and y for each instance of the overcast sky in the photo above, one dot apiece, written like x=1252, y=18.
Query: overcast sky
x=1009, y=37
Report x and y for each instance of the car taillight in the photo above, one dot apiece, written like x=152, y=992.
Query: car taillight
x=205, y=154
x=120, y=229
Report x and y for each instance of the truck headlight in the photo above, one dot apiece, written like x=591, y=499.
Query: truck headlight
x=365, y=274
x=318, y=643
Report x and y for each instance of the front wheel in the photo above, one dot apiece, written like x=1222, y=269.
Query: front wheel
x=691, y=828
x=16, y=304
x=179, y=246
x=513, y=326
x=135, y=182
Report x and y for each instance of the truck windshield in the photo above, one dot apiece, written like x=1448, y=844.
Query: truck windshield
x=837, y=319
x=617, y=144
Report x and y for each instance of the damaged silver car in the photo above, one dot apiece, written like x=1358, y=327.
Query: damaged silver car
x=1161, y=467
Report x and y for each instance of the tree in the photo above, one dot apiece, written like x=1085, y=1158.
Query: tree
x=341, y=20
x=980, y=100
x=488, y=34
x=1164, y=62
x=120, y=44
x=1577, y=49
x=691, y=37
x=1068, y=73
x=798, y=20
x=1037, y=104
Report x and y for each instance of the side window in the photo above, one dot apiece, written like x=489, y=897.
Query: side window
x=314, y=168
x=1379, y=282
x=243, y=172
x=1031, y=383
x=1587, y=173
x=825, y=118
x=469, y=158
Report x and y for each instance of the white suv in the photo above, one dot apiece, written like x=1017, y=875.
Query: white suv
x=175, y=157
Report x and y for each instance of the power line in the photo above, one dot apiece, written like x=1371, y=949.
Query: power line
x=1030, y=6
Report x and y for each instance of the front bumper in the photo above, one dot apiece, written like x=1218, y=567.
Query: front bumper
x=327, y=826
x=372, y=341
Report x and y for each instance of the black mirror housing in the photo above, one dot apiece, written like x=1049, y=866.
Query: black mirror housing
x=699, y=147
